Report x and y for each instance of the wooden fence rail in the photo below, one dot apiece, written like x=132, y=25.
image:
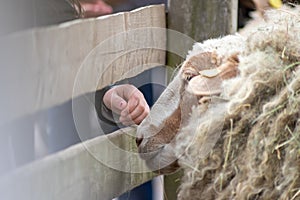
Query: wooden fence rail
x=48, y=66
x=83, y=171
x=53, y=65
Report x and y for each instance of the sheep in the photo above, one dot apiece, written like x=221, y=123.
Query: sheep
x=231, y=116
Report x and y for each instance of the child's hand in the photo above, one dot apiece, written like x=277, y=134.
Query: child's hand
x=127, y=101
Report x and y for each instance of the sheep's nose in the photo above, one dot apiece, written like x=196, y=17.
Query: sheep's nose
x=138, y=141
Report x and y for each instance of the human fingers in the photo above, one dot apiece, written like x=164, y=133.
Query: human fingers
x=131, y=95
x=127, y=120
x=136, y=104
x=141, y=117
x=136, y=116
x=136, y=101
x=114, y=101
x=136, y=109
x=139, y=110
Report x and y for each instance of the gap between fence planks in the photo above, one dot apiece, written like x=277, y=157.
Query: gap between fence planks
x=44, y=67
x=83, y=171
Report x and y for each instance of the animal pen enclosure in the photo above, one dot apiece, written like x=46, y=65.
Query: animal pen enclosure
x=60, y=66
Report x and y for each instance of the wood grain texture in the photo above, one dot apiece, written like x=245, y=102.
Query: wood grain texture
x=202, y=20
x=45, y=67
x=83, y=171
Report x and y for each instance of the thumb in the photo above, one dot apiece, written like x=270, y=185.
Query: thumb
x=117, y=103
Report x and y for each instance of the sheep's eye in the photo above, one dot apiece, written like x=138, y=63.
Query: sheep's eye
x=188, y=75
x=188, y=78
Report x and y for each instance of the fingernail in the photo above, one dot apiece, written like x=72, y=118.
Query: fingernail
x=122, y=105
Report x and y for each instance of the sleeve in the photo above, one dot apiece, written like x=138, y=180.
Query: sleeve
x=104, y=113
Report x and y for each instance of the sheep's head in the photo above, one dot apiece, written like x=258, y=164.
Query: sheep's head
x=199, y=79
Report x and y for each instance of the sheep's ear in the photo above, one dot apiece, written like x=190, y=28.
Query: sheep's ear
x=204, y=86
x=209, y=81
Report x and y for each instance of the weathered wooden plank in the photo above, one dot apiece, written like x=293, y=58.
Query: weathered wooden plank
x=44, y=67
x=203, y=19
x=90, y=170
x=199, y=20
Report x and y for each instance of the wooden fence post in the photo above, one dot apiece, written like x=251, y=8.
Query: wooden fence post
x=200, y=20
